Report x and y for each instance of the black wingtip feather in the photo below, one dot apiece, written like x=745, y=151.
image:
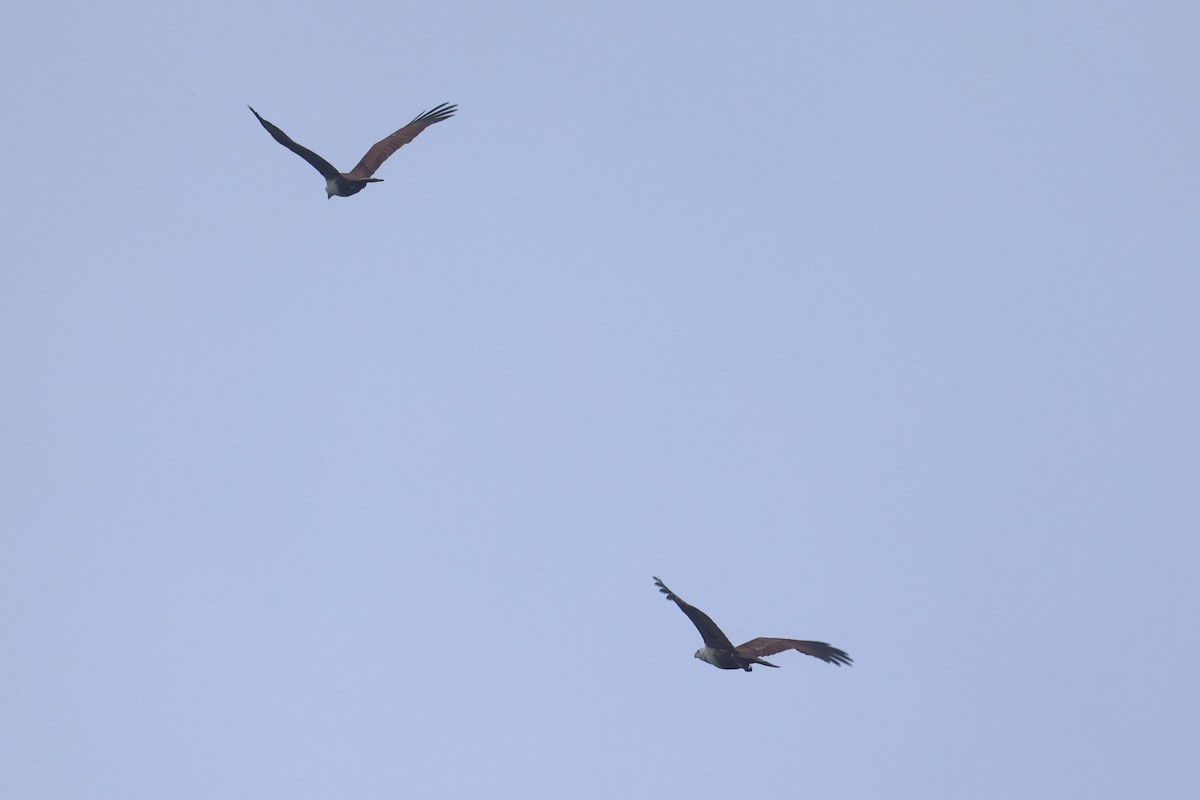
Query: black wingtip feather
x=437, y=113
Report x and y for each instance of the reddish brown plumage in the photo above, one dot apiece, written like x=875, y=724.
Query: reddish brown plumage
x=344, y=184
x=724, y=655
x=381, y=150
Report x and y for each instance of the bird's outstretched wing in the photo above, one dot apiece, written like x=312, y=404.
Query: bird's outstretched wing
x=380, y=151
x=322, y=166
x=713, y=636
x=765, y=646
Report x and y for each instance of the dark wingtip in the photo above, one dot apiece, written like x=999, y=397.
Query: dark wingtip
x=662, y=587
x=437, y=113
x=838, y=657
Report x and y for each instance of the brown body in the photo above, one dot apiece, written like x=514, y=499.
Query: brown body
x=344, y=184
x=721, y=653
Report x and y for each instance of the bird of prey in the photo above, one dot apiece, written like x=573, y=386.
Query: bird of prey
x=344, y=184
x=720, y=652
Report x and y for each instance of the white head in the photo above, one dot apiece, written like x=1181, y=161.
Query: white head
x=708, y=655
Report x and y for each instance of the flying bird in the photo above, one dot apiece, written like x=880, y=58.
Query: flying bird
x=344, y=184
x=720, y=652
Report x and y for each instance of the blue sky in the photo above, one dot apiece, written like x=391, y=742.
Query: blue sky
x=867, y=323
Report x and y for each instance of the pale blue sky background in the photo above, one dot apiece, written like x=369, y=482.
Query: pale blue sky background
x=870, y=323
